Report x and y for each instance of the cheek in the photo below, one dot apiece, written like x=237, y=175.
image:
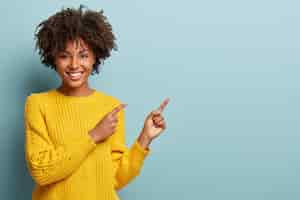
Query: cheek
x=88, y=71
x=60, y=64
x=60, y=69
x=89, y=65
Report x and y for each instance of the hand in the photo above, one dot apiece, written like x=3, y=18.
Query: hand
x=107, y=125
x=154, y=123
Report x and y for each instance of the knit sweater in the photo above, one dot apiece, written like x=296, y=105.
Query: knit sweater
x=63, y=159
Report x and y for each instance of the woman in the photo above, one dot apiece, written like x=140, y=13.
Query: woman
x=75, y=135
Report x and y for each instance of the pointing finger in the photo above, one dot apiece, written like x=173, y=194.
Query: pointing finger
x=118, y=108
x=163, y=105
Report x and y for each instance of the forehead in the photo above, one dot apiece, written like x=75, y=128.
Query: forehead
x=76, y=45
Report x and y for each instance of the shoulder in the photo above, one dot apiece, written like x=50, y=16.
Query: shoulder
x=36, y=101
x=32, y=107
x=46, y=97
x=36, y=97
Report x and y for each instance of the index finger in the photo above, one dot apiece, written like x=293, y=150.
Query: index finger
x=118, y=108
x=163, y=104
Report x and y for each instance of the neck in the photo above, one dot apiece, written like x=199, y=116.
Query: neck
x=79, y=91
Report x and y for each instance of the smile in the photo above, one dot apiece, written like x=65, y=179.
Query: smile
x=74, y=75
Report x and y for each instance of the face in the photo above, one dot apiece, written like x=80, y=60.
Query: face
x=75, y=64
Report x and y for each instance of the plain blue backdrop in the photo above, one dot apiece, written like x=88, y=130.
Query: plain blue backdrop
x=230, y=68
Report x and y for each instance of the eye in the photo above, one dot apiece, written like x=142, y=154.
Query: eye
x=63, y=56
x=84, y=56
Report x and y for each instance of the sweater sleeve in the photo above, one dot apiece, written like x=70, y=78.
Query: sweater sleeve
x=127, y=162
x=46, y=162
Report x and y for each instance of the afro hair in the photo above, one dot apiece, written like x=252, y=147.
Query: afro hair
x=70, y=24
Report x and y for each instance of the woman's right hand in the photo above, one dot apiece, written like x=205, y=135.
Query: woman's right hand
x=107, y=125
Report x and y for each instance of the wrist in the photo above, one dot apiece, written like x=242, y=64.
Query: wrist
x=93, y=134
x=144, y=140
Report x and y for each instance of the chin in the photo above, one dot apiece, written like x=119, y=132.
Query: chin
x=74, y=84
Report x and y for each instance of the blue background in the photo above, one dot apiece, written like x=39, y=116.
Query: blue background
x=231, y=71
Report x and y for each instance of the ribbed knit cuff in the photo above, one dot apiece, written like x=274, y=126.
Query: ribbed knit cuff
x=139, y=151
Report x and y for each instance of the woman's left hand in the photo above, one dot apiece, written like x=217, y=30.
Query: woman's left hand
x=155, y=123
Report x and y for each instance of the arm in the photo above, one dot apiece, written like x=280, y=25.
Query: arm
x=48, y=163
x=127, y=163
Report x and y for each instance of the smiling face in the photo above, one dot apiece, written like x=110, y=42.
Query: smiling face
x=75, y=64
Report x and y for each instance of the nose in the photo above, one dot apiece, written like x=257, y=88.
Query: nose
x=74, y=63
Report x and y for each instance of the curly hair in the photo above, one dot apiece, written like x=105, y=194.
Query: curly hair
x=70, y=24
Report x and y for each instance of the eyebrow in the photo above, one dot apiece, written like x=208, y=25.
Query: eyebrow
x=81, y=51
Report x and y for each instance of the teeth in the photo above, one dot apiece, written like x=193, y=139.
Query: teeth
x=75, y=74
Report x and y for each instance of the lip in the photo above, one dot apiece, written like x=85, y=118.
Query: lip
x=76, y=78
x=74, y=72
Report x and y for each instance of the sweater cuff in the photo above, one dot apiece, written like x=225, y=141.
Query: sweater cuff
x=140, y=152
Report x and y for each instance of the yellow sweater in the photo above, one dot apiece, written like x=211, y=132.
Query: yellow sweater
x=64, y=161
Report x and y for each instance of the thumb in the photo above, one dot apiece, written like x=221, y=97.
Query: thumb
x=153, y=113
